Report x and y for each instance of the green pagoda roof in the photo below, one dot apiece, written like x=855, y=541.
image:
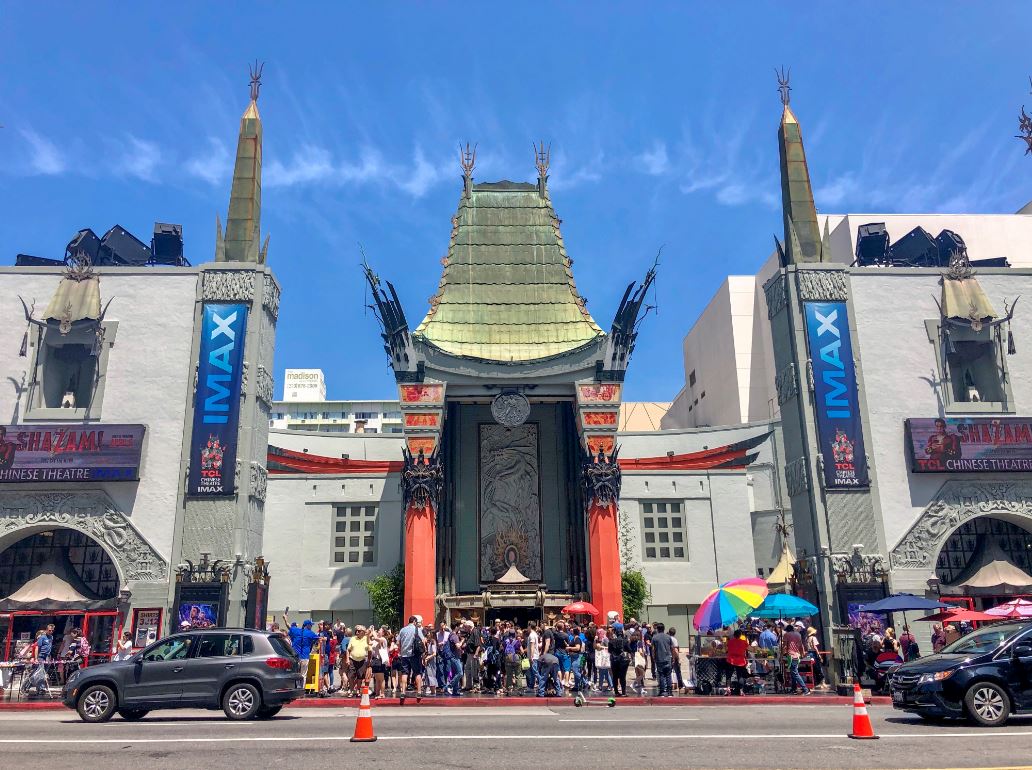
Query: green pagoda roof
x=507, y=291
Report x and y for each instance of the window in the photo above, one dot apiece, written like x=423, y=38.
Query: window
x=366, y=415
x=392, y=415
x=691, y=379
x=354, y=534
x=69, y=373
x=662, y=531
x=218, y=645
x=972, y=368
x=175, y=648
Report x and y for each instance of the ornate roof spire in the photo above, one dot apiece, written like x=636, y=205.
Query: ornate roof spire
x=1025, y=127
x=802, y=236
x=542, y=158
x=243, y=224
x=468, y=161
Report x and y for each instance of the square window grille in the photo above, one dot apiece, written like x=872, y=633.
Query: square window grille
x=354, y=540
x=662, y=531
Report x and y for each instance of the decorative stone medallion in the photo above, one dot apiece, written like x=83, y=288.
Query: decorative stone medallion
x=510, y=409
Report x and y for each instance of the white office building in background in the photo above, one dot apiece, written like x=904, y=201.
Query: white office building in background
x=304, y=407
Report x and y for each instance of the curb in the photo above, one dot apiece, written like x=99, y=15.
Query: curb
x=433, y=702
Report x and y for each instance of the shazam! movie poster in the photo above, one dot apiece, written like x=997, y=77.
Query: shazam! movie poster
x=213, y=445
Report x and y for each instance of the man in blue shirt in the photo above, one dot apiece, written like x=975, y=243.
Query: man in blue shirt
x=301, y=639
x=768, y=639
x=45, y=644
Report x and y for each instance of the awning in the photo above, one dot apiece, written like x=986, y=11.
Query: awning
x=75, y=301
x=964, y=300
x=993, y=570
x=782, y=572
x=57, y=587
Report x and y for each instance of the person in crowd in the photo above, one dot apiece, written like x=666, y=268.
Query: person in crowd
x=124, y=647
x=358, y=658
x=45, y=643
x=378, y=658
x=767, y=640
x=560, y=639
x=738, y=658
x=549, y=681
x=327, y=656
x=620, y=660
x=793, y=650
x=533, y=653
x=813, y=652
x=575, y=649
x=603, y=660
x=938, y=637
x=301, y=639
x=908, y=645
x=663, y=653
x=471, y=650
x=512, y=649
x=452, y=651
x=640, y=662
x=411, y=649
x=951, y=632
x=678, y=675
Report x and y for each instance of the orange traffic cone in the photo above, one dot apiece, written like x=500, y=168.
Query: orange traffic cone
x=862, y=728
x=364, y=724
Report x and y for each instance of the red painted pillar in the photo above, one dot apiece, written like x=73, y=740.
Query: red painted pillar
x=420, y=563
x=604, y=559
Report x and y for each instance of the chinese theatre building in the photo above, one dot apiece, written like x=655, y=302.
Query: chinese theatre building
x=510, y=491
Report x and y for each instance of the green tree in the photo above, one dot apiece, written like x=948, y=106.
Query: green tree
x=636, y=593
x=387, y=597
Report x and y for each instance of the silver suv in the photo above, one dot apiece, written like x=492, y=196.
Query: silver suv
x=248, y=674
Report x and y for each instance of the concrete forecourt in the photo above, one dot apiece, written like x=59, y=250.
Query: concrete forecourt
x=802, y=736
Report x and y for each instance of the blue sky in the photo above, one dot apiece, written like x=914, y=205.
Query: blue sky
x=662, y=119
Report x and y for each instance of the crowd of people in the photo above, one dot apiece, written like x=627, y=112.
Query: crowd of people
x=499, y=658
x=42, y=655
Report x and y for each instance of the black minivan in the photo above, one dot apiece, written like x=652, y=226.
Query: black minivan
x=985, y=675
x=248, y=674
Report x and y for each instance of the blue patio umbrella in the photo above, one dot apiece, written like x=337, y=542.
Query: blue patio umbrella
x=902, y=603
x=784, y=606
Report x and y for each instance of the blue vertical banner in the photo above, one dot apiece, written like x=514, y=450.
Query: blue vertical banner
x=213, y=443
x=839, y=433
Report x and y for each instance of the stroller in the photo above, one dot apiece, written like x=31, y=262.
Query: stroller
x=38, y=681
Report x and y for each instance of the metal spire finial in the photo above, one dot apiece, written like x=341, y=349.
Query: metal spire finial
x=256, y=79
x=1025, y=127
x=468, y=159
x=542, y=157
x=783, y=86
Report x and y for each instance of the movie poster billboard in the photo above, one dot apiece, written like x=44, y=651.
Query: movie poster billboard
x=213, y=442
x=201, y=605
x=72, y=452
x=839, y=434
x=970, y=444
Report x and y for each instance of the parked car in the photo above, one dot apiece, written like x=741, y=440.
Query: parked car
x=248, y=674
x=985, y=676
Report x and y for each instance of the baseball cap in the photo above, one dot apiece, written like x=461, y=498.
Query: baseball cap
x=307, y=624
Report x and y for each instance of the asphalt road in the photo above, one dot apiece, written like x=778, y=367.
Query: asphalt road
x=765, y=737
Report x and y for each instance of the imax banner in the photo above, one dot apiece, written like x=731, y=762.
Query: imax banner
x=835, y=398
x=213, y=445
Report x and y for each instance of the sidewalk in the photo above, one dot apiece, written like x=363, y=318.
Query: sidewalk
x=497, y=702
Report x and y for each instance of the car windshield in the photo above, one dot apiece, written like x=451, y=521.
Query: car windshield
x=983, y=640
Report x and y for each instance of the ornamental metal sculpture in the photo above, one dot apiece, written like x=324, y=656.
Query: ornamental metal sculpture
x=510, y=409
x=205, y=571
x=422, y=480
x=783, y=86
x=600, y=477
x=1025, y=127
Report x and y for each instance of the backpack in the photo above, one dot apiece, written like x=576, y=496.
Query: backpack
x=512, y=647
x=418, y=645
x=492, y=653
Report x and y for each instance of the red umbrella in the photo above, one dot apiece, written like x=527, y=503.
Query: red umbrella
x=580, y=608
x=959, y=615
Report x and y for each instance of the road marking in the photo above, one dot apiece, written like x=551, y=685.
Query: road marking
x=509, y=737
x=620, y=721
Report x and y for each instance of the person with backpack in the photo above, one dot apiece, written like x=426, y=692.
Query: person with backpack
x=620, y=660
x=512, y=648
x=451, y=652
x=471, y=659
x=411, y=650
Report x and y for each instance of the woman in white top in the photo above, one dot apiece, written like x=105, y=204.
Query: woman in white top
x=124, y=647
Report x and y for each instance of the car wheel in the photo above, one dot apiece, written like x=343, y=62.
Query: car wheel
x=96, y=703
x=268, y=712
x=133, y=715
x=241, y=701
x=987, y=704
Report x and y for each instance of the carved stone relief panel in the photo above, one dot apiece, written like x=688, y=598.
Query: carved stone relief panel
x=94, y=514
x=510, y=507
x=271, y=296
x=796, y=478
x=787, y=384
x=228, y=286
x=264, y=385
x=821, y=285
x=774, y=290
x=259, y=481
x=956, y=502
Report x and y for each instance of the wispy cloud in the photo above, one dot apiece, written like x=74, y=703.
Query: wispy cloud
x=655, y=161
x=213, y=166
x=566, y=173
x=45, y=158
x=140, y=159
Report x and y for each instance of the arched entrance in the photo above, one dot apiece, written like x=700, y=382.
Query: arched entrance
x=57, y=576
x=985, y=561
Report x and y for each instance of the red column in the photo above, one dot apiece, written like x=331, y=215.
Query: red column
x=604, y=559
x=420, y=563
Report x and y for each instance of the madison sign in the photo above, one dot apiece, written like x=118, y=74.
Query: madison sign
x=75, y=452
x=969, y=444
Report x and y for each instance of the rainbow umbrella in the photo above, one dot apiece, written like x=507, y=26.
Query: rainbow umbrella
x=729, y=603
